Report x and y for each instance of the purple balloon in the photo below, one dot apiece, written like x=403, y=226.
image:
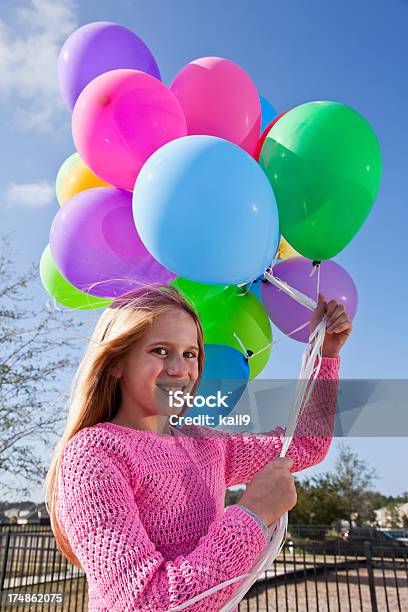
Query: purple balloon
x=96, y=48
x=95, y=245
x=286, y=313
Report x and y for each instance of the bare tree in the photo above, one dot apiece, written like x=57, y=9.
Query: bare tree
x=38, y=350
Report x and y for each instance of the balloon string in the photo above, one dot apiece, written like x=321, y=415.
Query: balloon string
x=52, y=305
x=248, y=286
x=278, y=531
x=308, y=373
x=275, y=259
x=252, y=355
x=275, y=532
x=295, y=294
x=241, y=344
x=300, y=297
x=278, y=339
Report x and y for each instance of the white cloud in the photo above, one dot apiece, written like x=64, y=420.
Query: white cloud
x=30, y=42
x=31, y=195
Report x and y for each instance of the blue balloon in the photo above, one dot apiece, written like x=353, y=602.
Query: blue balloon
x=255, y=286
x=205, y=209
x=255, y=289
x=226, y=371
x=267, y=112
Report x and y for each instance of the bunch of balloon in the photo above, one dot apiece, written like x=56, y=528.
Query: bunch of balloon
x=165, y=188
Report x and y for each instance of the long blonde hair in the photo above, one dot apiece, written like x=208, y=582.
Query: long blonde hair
x=95, y=394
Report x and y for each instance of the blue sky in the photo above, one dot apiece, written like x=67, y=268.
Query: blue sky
x=349, y=52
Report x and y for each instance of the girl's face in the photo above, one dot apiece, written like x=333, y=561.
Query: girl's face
x=164, y=359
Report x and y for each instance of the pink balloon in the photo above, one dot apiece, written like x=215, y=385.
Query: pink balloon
x=120, y=119
x=219, y=99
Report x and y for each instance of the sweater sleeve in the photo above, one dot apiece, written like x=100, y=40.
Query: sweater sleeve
x=247, y=453
x=99, y=515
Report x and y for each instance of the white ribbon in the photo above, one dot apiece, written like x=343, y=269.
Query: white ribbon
x=277, y=531
x=300, y=297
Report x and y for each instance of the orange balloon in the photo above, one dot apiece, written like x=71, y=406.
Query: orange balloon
x=73, y=177
x=285, y=251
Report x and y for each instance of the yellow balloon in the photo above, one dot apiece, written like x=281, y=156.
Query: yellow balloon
x=73, y=177
x=285, y=251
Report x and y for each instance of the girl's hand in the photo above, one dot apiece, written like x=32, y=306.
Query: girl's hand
x=338, y=325
x=272, y=490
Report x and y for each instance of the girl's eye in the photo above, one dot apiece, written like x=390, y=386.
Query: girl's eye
x=162, y=348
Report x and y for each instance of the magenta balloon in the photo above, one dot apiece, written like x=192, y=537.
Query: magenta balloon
x=286, y=313
x=219, y=99
x=120, y=119
x=96, y=48
x=95, y=245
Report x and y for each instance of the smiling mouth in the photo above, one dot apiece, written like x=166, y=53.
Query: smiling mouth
x=171, y=388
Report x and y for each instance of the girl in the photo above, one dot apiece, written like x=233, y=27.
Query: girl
x=139, y=504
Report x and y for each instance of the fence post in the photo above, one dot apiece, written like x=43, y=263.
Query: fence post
x=4, y=563
x=371, y=583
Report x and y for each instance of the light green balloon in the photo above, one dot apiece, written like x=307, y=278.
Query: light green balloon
x=62, y=291
x=200, y=294
x=224, y=310
x=324, y=163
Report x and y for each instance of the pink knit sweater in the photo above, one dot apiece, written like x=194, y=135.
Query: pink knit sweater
x=144, y=512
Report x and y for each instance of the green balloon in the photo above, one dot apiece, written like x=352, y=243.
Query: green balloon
x=224, y=310
x=200, y=294
x=62, y=291
x=324, y=163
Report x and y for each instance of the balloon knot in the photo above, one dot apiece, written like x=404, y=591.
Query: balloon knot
x=316, y=262
x=105, y=100
x=249, y=354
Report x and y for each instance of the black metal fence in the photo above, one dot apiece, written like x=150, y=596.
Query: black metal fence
x=307, y=576
x=327, y=577
x=32, y=568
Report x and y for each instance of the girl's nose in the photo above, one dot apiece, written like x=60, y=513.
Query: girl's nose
x=176, y=366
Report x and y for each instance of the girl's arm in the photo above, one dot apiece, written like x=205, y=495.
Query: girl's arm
x=100, y=518
x=246, y=453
